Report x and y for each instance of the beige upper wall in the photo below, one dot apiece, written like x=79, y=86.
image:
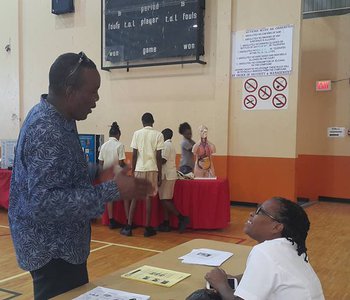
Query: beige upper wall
x=9, y=70
x=174, y=94
x=325, y=55
x=194, y=93
x=266, y=133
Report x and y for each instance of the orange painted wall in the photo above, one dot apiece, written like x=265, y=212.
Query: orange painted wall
x=323, y=175
x=255, y=179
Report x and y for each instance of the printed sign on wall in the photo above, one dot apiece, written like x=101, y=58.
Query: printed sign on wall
x=265, y=93
x=262, y=52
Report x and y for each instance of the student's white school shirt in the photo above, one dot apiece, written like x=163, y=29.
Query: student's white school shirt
x=275, y=271
x=169, y=168
x=147, y=141
x=111, y=152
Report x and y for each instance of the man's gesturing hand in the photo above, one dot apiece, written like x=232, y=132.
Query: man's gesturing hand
x=132, y=188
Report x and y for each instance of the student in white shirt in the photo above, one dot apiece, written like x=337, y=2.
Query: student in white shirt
x=166, y=189
x=278, y=267
x=112, y=152
x=147, y=144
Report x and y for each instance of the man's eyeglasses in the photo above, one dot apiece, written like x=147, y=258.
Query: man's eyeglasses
x=260, y=210
x=82, y=57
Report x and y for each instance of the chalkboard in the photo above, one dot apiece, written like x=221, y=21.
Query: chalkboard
x=148, y=32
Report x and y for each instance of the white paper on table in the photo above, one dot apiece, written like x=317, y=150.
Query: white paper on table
x=207, y=257
x=102, y=293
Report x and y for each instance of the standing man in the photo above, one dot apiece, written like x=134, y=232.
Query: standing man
x=52, y=199
x=147, y=145
x=166, y=189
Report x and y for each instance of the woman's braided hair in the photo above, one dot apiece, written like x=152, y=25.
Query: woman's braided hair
x=296, y=224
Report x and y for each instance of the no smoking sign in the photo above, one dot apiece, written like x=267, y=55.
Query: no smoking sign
x=280, y=84
x=265, y=93
x=250, y=102
x=250, y=85
x=279, y=101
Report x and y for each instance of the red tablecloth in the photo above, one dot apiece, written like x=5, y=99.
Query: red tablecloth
x=5, y=179
x=206, y=202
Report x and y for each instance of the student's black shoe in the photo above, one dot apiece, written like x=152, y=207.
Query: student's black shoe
x=164, y=227
x=183, y=222
x=134, y=226
x=113, y=224
x=126, y=230
x=149, y=231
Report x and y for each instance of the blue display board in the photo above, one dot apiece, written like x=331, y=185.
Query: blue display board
x=91, y=143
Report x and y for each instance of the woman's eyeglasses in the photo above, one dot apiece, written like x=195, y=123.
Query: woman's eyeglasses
x=260, y=210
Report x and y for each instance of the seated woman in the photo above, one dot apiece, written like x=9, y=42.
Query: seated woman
x=203, y=150
x=278, y=267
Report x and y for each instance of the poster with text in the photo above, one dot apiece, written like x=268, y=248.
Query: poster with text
x=262, y=52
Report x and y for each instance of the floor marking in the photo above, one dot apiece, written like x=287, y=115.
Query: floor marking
x=107, y=244
x=12, y=293
x=13, y=277
x=126, y=246
x=307, y=204
x=99, y=248
x=3, y=226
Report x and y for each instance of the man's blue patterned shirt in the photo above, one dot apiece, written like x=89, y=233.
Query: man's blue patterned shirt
x=52, y=199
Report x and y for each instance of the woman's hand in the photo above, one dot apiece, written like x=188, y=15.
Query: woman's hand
x=217, y=279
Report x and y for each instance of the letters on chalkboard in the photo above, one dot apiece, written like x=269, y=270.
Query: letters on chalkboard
x=149, y=32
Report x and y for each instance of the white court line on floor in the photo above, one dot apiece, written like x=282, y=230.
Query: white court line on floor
x=13, y=277
x=3, y=226
x=106, y=245
x=127, y=246
x=25, y=273
x=100, y=248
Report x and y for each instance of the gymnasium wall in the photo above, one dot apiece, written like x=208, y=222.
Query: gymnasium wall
x=263, y=153
x=173, y=94
x=323, y=165
x=262, y=143
x=9, y=70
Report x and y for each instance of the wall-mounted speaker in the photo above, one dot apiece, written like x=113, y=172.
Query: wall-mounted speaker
x=59, y=7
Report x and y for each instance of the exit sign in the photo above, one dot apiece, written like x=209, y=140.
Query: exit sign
x=324, y=85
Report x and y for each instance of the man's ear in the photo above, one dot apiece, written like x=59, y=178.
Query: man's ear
x=69, y=91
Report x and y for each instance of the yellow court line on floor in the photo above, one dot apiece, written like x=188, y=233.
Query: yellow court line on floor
x=127, y=246
x=14, y=277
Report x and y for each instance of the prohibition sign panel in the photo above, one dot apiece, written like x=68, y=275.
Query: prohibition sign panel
x=265, y=92
x=250, y=102
x=280, y=84
x=250, y=85
x=279, y=101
